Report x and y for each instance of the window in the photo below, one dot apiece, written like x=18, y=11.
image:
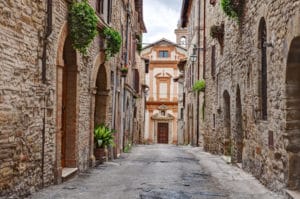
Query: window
x=99, y=6
x=163, y=53
x=263, y=73
x=163, y=90
x=109, y=8
x=183, y=41
x=213, y=61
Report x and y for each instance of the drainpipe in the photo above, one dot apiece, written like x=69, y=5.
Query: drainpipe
x=48, y=29
x=198, y=73
x=122, y=136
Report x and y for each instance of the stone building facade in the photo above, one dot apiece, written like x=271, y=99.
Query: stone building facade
x=162, y=101
x=252, y=89
x=51, y=96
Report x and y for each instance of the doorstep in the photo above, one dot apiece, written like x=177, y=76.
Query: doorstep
x=68, y=173
x=293, y=194
x=227, y=159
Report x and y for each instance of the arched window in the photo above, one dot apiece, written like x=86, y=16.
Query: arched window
x=183, y=41
x=263, y=86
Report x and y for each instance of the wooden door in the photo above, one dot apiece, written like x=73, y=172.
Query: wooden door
x=63, y=119
x=163, y=133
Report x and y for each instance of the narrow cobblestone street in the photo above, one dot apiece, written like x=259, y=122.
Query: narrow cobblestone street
x=161, y=172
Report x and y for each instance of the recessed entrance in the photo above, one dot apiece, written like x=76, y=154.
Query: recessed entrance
x=101, y=97
x=67, y=76
x=227, y=125
x=162, y=133
x=239, y=128
x=293, y=114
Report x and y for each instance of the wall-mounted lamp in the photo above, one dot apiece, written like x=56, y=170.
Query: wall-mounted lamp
x=193, y=58
x=268, y=44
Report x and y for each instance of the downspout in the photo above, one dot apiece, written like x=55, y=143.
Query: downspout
x=123, y=79
x=198, y=73
x=48, y=29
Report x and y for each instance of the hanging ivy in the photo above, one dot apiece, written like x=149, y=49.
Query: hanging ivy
x=139, y=44
x=113, y=42
x=233, y=8
x=83, y=25
x=199, y=86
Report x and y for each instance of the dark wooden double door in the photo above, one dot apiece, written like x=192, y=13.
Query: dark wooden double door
x=163, y=133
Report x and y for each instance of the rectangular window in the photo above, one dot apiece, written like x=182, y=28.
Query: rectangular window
x=163, y=90
x=163, y=53
x=147, y=66
x=181, y=113
x=213, y=61
x=99, y=6
x=109, y=8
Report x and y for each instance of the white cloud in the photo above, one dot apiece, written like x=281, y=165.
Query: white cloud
x=161, y=18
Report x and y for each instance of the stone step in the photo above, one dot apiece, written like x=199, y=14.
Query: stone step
x=291, y=194
x=68, y=173
x=293, y=124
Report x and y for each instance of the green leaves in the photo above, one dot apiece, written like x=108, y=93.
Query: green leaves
x=103, y=136
x=199, y=85
x=83, y=25
x=233, y=8
x=114, y=41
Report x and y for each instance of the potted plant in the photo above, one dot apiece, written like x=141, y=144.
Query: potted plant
x=103, y=137
x=124, y=71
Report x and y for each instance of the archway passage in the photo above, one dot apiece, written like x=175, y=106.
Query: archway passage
x=239, y=127
x=101, y=97
x=227, y=124
x=69, y=106
x=293, y=113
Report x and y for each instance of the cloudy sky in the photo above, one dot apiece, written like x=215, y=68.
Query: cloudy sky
x=161, y=18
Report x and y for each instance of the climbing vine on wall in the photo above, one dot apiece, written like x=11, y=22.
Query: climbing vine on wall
x=233, y=8
x=83, y=25
x=113, y=42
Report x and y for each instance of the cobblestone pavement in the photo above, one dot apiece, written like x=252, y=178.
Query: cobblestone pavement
x=161, y=172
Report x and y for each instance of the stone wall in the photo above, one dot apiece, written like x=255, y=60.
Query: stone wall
x=238, y=69
x=29, y=108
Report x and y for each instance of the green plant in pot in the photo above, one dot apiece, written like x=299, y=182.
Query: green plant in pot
x=199, y=86
x=103, y=137
x=124, y=71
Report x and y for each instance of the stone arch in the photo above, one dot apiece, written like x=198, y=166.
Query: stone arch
x=101, y=96
x=227, y=124
x=67, y=102
x=293, y=113
x=239, y=137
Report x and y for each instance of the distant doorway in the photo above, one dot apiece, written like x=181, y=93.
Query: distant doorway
x=163, y=133
x=293, y=114
x=227, y=125
x=239, y=127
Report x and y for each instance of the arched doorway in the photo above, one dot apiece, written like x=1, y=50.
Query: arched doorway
x=239, y=127
x=67, y=104
x=227, y=124
x=293, y=113
x=101, y=97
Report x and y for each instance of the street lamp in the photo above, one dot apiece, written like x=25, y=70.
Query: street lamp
x=193, y=58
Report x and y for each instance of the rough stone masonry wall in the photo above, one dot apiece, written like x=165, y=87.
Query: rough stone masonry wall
x=21, y=96
x=239, y=65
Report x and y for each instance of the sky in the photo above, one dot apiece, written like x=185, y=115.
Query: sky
x=161, y=18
